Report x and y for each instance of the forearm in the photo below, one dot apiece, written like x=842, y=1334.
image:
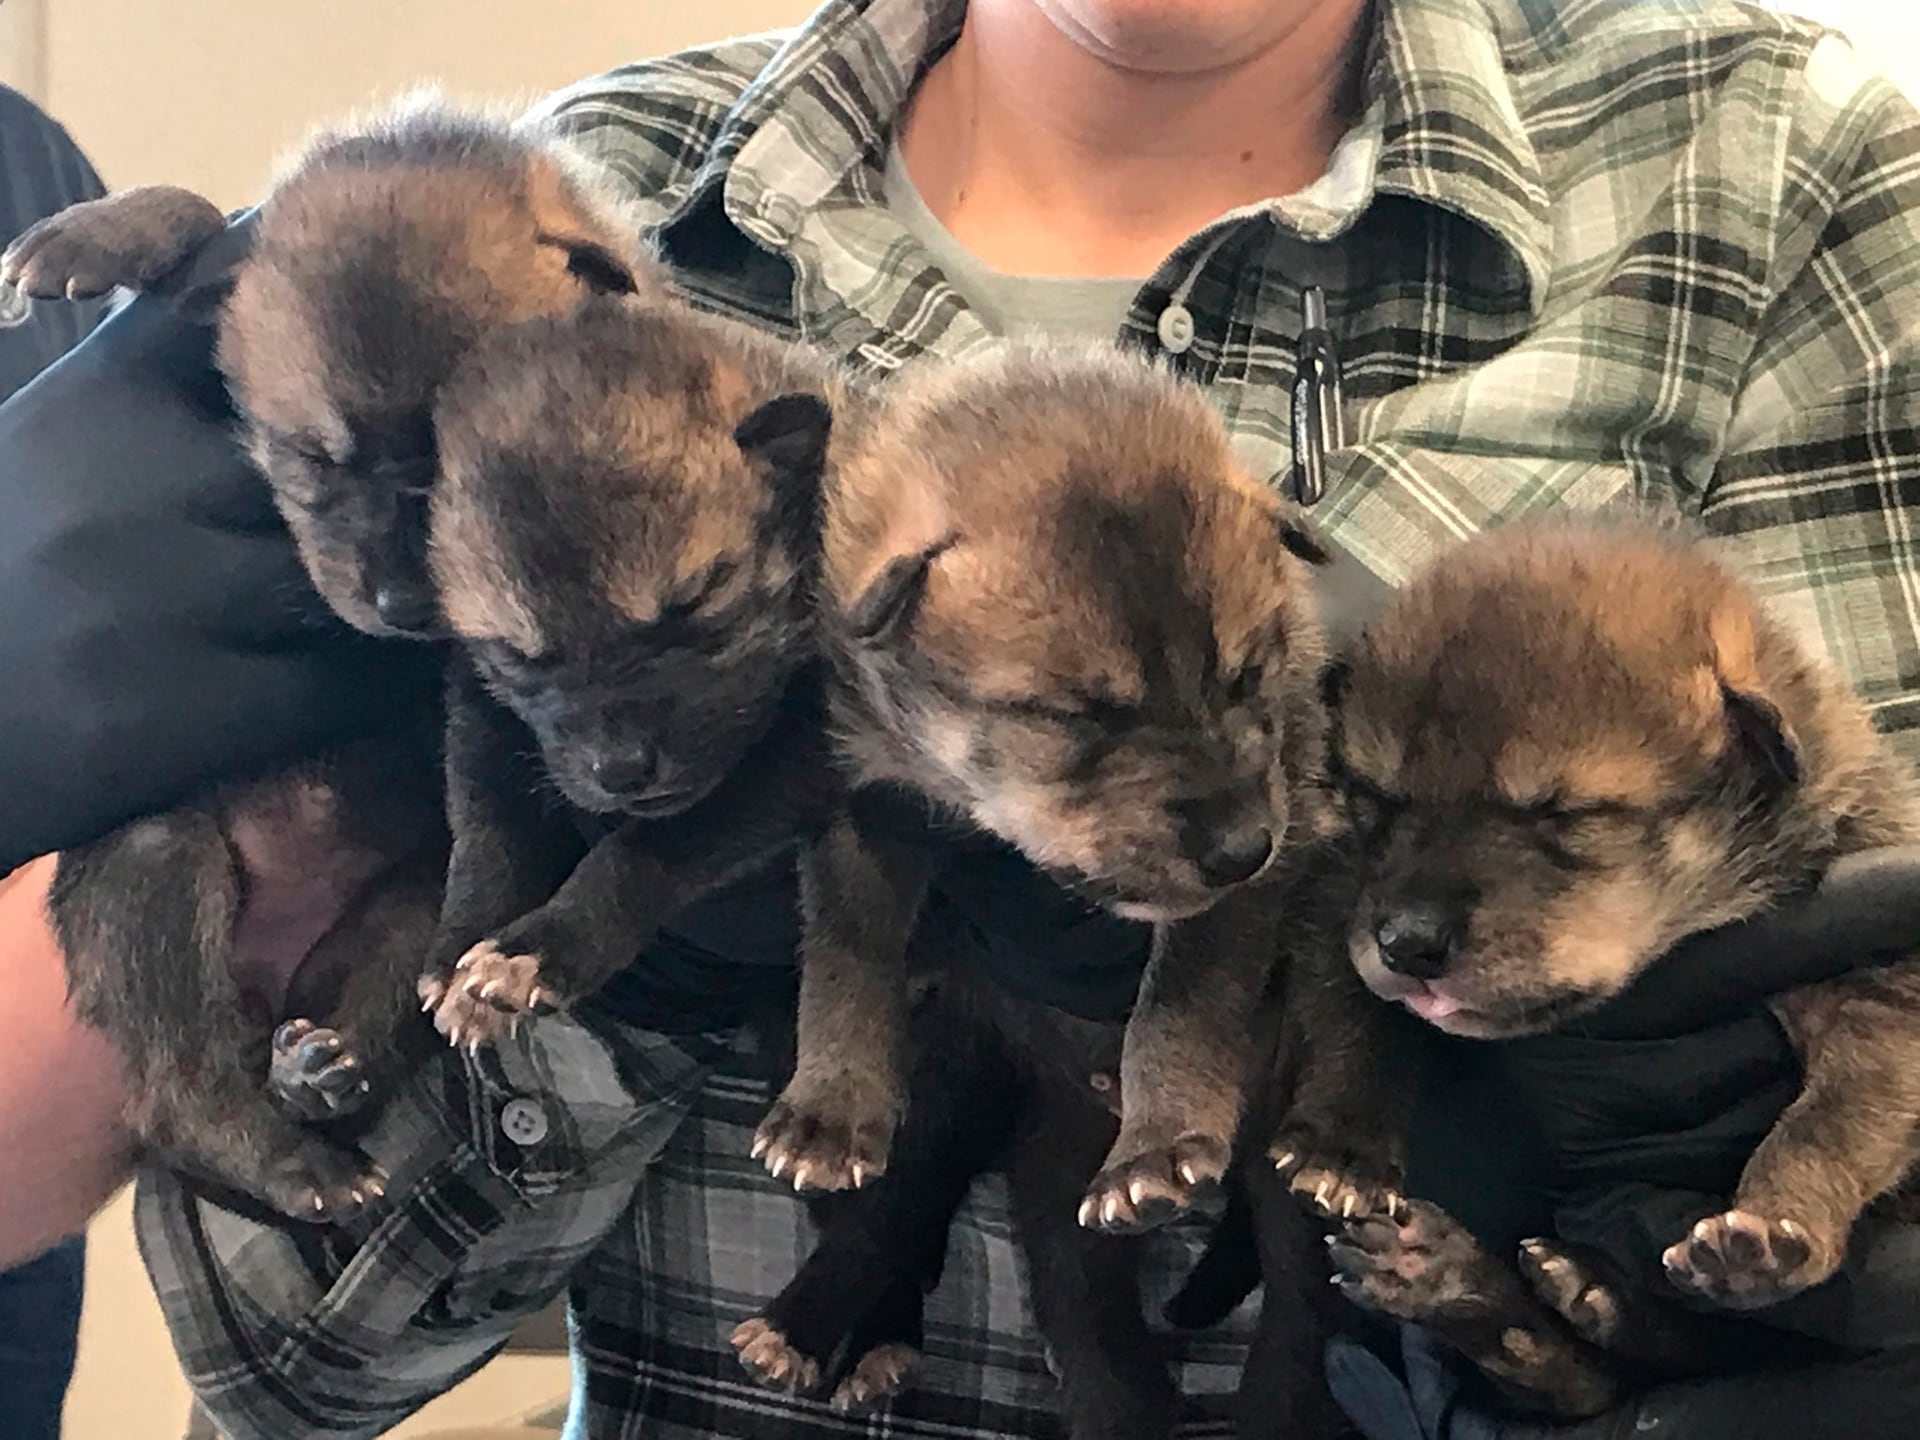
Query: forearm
x=60, y=1095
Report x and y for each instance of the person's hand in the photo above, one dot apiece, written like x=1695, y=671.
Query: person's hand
x=157, y=631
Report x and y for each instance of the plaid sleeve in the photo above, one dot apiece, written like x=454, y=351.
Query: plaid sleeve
x=1817, y=493
x=507, y=1169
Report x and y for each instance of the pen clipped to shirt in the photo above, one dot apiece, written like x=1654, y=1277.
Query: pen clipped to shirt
x=1317, y=424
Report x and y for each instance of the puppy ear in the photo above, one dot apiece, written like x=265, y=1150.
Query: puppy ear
x=1762, y=738
x=1757, y=730
x=594, y=265
x=894, y=594
x=786, y=439
x=787, y=435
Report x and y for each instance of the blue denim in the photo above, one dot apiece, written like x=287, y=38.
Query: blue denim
x=39, y=1331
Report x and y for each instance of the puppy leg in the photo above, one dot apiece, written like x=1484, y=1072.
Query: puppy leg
x=1189, y=1053
x=146, y=917
x=1283, y=1391
x=512, y=848
x=832, y=1127
x=329, y=1068
x=631, y=882
x=1851, y=1136
x=131, y=238
x=852, y=1316
x=1084, y=1285
x=1427, y=1270
x=1341, y=1144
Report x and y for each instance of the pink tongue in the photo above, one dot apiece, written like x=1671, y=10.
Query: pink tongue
x=1430, y=1006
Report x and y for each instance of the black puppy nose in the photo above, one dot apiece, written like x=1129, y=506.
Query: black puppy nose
x=1417, y=941
x=624, y=774
x=404, y=607
x=1236, y=858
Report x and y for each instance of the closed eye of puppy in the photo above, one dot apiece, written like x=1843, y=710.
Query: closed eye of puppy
x=382, y=252
x=1568, y=746
x=1059, y=610
x=624, y=540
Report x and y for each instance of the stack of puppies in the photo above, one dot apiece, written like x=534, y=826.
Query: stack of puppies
x=724, y=602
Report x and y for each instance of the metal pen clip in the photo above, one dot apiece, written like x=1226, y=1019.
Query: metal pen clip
x=1318, y=426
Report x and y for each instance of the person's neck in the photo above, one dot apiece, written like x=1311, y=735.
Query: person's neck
x=1044, y=158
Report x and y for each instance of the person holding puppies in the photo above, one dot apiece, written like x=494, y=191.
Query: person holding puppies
x=1570, y=255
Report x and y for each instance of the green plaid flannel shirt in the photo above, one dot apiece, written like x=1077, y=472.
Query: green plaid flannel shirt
x=1659, y=249
x=1578, y=251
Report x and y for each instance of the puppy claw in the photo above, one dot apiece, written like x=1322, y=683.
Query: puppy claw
x=1153, y=1184
x=490, y=992
x=313, y=1073
x=1564, y=1286
x=1409, y=1270
x=1336, y=1181
x=771, y=1359
x=877, y=1374
x=828, y=1146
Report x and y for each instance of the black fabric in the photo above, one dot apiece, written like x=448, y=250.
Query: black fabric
x=156, y=629
x=1619, y=1132
x=41, y=173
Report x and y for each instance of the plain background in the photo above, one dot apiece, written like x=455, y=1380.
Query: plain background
x=210, y=94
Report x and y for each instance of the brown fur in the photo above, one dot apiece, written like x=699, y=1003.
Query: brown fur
x=1569, y=745
x=624, y=539
x=1060, y=611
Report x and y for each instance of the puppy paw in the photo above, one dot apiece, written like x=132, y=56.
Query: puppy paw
x=314, y=1074
x=1145, y=1188
x=1337, y=1181
x=1413, y=1267
x=131, y=238
x=487, y=996
x=1567, y=1287
x=876, y=1375
x=1744, y=1261
x=827, y=1135
x=323, y=1184
x=771, y=1360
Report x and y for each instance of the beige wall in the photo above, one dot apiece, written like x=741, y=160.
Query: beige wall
x=207, y=93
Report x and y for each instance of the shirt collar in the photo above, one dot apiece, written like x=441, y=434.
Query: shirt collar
x=1437, y=84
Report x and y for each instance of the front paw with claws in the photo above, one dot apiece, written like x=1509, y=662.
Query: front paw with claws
x=1743, y=1261
x=1149, y=1186
x=1337, y=1181
x=827, y=1135
x=487, y=996
x=314, y=1073
x=1413, y=1267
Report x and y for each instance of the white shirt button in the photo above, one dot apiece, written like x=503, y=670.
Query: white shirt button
x=1175, y=329
x=523, y=1122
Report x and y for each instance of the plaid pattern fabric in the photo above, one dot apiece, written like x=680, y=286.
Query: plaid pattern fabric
x=506, y=1170
x=711, y=1238
x=1578, y=251
x=344, y=1332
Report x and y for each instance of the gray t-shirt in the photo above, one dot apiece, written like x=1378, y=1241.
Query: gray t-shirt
x=1056, y=307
